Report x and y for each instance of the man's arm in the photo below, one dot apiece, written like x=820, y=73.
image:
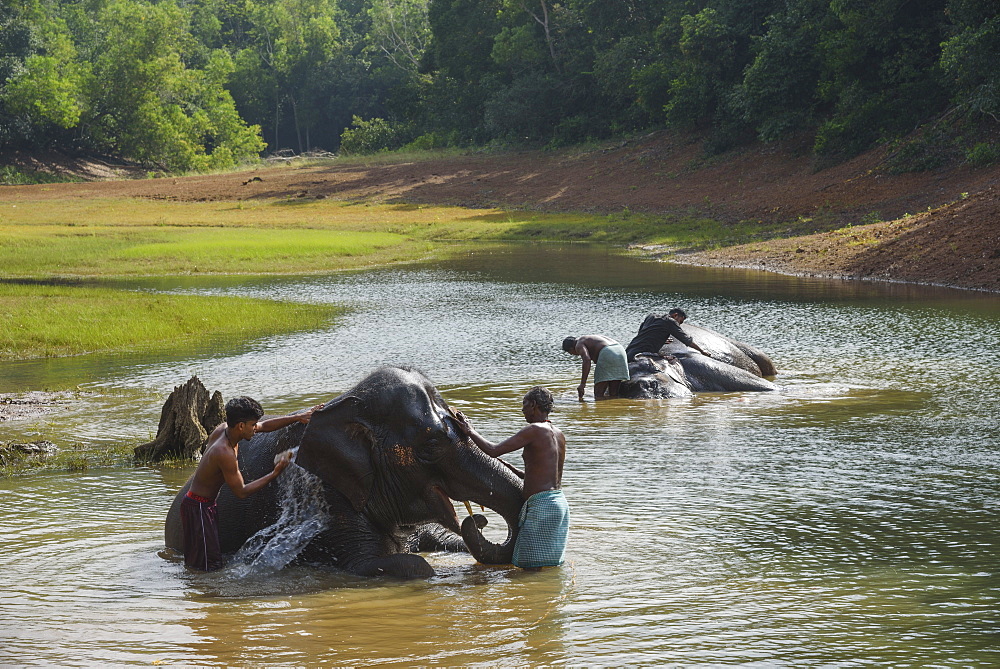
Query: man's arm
x=678, y=333
x=272, y=424
x=518, y=441
x=234, y=479
x=585, y=354
x=484, y=445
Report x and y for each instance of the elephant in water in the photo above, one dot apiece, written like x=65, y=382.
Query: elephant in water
x=391, y=462
x=684, y=374
x=675, y=371
x=724, y=349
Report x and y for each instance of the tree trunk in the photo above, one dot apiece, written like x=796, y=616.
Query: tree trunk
x=189, y=415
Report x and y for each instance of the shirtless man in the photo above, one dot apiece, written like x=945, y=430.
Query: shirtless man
x=219, y=466
x=611, y=366
x=544, y=520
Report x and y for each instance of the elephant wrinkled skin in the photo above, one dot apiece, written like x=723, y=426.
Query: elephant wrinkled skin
x=684, y=374
x=675, y=371
x=391, y=461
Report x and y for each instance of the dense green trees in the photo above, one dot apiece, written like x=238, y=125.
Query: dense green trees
x=113, y=76
x=196, y=84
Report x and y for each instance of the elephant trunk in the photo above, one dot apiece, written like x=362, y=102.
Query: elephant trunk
x=502, y=493
x=483, y=549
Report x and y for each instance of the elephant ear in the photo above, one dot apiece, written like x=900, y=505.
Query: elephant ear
x=336, y=446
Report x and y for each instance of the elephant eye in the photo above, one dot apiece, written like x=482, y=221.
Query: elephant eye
x=435, y=448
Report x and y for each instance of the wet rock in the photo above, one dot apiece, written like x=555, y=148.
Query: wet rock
x=40, y=447
x=188, y=416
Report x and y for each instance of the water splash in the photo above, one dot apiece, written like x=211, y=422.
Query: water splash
x=304, y=514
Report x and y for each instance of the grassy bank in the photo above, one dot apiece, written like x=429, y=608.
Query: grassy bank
x=82, y=238
x=43, y=241
x=53, y=320
x=69, y=458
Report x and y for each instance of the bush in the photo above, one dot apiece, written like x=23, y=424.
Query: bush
x=983, y=154
x=367, y=137
x=433, y=140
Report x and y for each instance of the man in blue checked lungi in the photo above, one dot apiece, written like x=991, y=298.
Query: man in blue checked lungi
x=544, y=520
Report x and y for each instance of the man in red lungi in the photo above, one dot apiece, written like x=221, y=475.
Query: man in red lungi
x=219, y=466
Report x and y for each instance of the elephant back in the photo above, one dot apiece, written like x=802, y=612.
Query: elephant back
x=710, y=375
x=721, y=348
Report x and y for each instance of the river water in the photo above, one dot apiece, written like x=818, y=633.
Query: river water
x=852, y=517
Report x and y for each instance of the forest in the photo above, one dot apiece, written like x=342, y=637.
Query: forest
x=188, y=85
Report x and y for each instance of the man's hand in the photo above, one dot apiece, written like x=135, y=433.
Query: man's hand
x=463, y=424
x=304, y=417
x=580, y=390
x=283, y=462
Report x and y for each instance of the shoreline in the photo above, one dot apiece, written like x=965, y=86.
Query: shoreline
x=679, y=259
x=858, y=220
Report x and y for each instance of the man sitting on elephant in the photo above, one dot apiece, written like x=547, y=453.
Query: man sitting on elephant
x=219, y=466
x=544, y=519
x=656, y=330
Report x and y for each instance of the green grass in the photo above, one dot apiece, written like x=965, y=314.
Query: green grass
x=73, y=458
x=84, y=240
x=81, y=238
x=16, y=176
x=53, y=320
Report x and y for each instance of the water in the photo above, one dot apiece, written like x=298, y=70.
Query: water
x=850, y=518
x=304, y=514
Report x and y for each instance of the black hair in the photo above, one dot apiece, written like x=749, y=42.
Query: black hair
x=242, y=410
x=677, y=312
x=569, y=344
x=541, y=397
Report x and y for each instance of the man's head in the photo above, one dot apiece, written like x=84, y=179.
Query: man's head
x=537, y=403
x=678, y=315
x=569, y=345
x=243, y=410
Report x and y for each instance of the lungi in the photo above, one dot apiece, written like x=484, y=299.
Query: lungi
x=544, y=524
x=200, y=527
x=612, y=364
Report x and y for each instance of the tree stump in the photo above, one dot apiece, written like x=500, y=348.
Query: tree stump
x=187, y=418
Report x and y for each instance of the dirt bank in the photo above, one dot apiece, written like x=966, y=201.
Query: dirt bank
x=940, y=227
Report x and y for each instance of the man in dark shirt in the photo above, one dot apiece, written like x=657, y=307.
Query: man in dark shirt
x=656, y=330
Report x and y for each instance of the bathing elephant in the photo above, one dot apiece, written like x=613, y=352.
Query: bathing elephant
x=683, y=374
x=391, y=461
x=725, y=349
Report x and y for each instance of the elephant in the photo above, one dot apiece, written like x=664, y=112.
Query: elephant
x=683, y=374
x=391, y=461
x=675, y=371
x=725, y=349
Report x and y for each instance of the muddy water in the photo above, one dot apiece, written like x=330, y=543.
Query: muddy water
x=850, y=518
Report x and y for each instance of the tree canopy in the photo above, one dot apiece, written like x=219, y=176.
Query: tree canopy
x=202, y=84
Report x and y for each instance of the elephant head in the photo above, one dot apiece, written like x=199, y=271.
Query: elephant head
x=390, y=448
x=655, y=377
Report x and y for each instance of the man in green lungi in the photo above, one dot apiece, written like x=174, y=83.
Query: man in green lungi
x=611, y=366
x=544, y=520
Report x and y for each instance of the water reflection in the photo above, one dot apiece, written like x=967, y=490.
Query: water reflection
x=848, y=518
